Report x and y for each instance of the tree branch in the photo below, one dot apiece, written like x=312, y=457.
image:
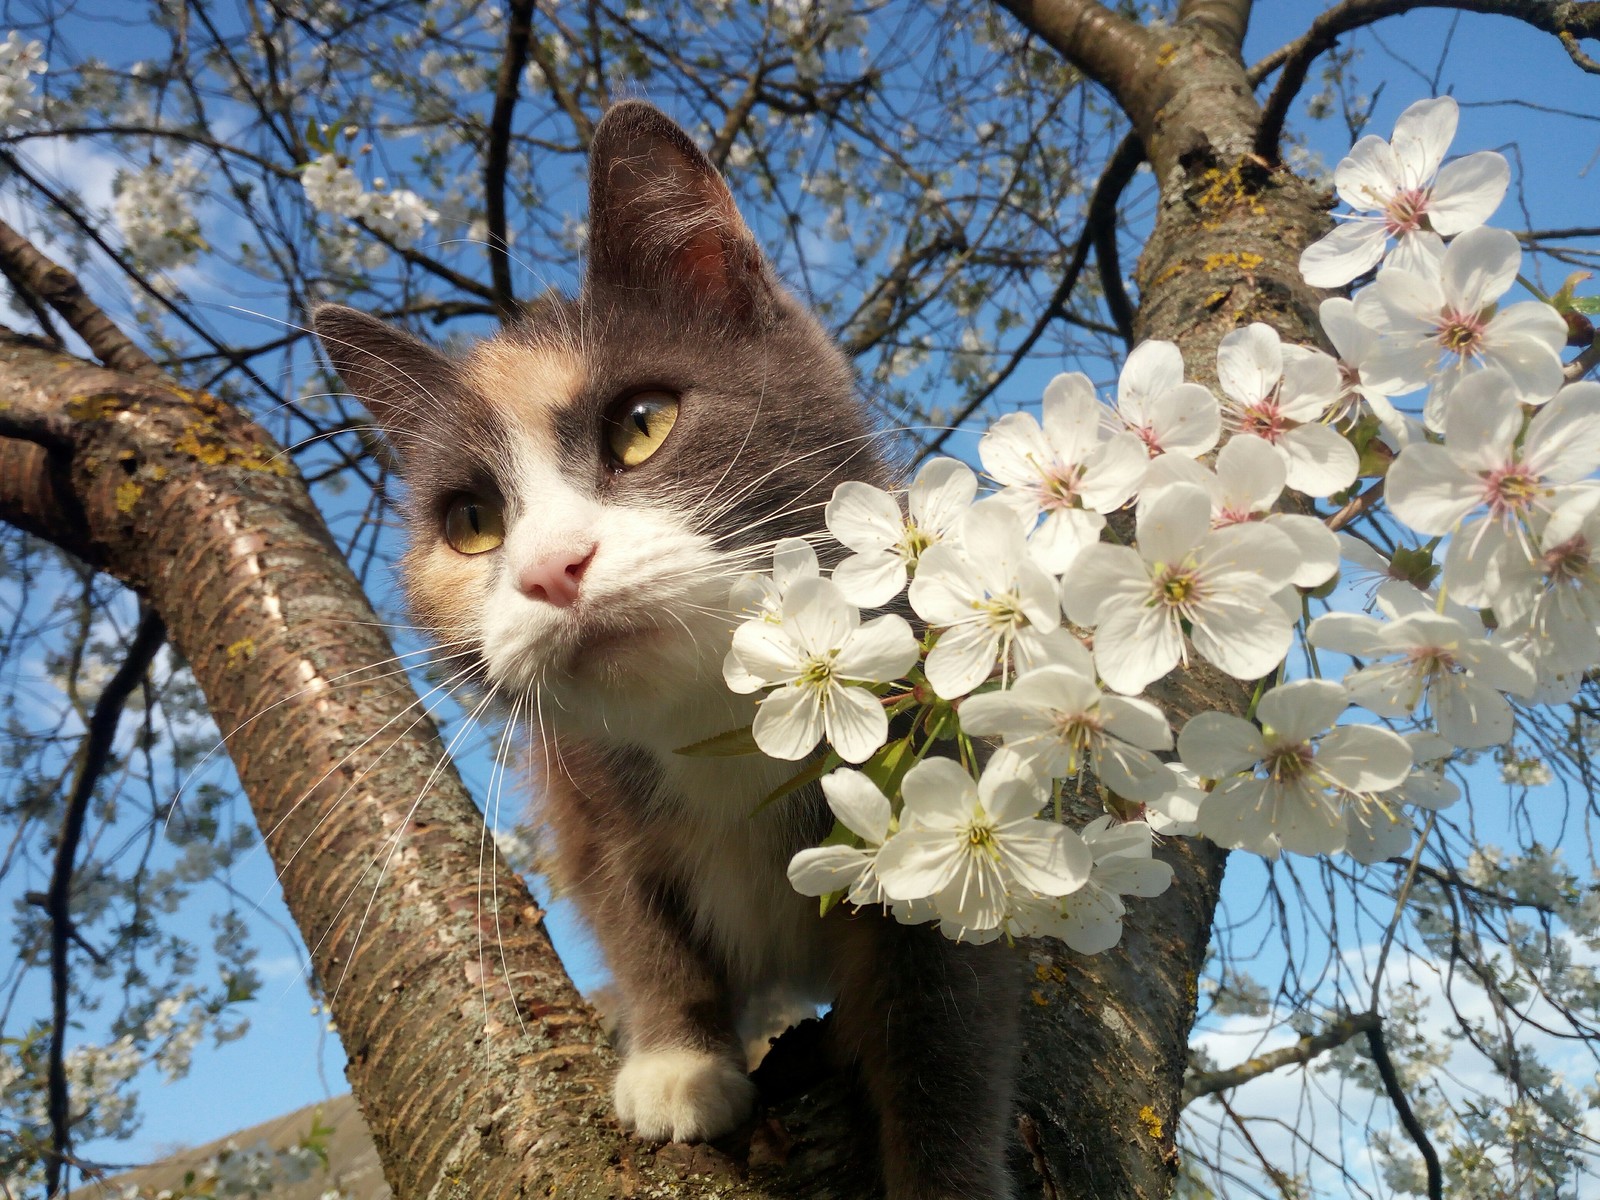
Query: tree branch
x=1227, y=19
x=93, y=759
x=1100, y=213
x=1402, y=1108
x=1307, y=1048
x=1107, y=47
x=1570, y=20
x=498, y=154
x=59, y=288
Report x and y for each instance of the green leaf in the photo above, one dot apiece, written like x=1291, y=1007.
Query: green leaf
x=889, y=765
x=807, y=774
x=830, y=900
x=735, y=743
x=1588, y=305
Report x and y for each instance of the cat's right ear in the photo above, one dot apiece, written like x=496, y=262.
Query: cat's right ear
x=662, y=221
x=399, y=378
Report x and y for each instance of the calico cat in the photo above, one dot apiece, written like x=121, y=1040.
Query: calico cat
x=583, y=488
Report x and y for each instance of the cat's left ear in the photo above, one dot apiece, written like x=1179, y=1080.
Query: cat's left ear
x=661, y=219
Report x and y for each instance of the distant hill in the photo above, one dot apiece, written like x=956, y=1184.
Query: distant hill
x=352, y=1159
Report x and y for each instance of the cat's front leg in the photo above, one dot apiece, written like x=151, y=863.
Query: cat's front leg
x=683, y=1072
x=932, y=1026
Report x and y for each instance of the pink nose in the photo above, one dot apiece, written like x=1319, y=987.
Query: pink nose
x=556, y=579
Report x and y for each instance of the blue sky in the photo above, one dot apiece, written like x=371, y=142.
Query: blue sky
x=1505, y=77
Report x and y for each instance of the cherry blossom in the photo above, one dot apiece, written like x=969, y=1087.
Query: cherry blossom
x=1221, y=581
x=864, y=811
x=1283, y=399
x=1441, y=322
x=887, y=543
x=1058, y=721
x=19, y=62
x=1489, y=465
x=1358, y=347
x=1154, y=403
x=1089, y=920
x=1400, y=182
x=760, y=596
x=1444, y=662
x=1068, y=471
x=982, y=588
x=1284, y=785
x=1247, y=481
x=814, y=652
x=970, y=845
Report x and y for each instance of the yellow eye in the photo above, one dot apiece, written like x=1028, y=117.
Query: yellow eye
x=636, y=426
x=472, y=525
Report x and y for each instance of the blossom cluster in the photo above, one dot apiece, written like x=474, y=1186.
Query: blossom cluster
x=154, y=211
x=20, y=61
x=399, y=217
x=1111, y=544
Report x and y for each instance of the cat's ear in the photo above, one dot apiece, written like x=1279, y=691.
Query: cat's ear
x=397, y=377
x=661, y=219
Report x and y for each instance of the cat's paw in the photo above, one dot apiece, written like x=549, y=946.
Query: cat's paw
x=682, y=1095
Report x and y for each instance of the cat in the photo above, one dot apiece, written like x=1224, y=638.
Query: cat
x=582, y=490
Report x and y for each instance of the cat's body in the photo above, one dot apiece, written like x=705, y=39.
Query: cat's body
x=583, y=489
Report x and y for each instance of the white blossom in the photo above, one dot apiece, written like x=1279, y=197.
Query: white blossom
x=1154, y=403
x=19, y=62
x=1443, y=662
x=1247, y=482
x=1400, y=182
x=887, y=543
x=760, y=596
x=864, y=811
x=1089, y=920
x=1283, y=398
x=154, y=213
x=1442, y=321
x=970, y=846
x=1489, y=465
x=1221, y=581
x=815, y=652
x=982, y=587
x=1067, y=471
x=1358, y=347
x=1058, y=721
x=1286, y=784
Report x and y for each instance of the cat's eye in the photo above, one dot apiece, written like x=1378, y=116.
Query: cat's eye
x=472, y=525
x=638, y=424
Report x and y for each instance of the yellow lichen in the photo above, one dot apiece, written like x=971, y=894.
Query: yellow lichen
x=1049, y=973
x=1166, y=54
x=1226, y=190
x=241, y=651
x=93, y=408
x=1152, y=1123
x=199, y=442
x=1038, y=998
x=1243, y=260
x=128, y=493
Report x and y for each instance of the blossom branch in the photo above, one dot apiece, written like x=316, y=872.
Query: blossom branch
x=1302, y=1051
x=93, y=758
x=1570, y=20
x=497, y=156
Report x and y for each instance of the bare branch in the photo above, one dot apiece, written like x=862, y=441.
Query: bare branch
x=1570, y=20
x=59, y=288
x=498, y=153
x=1109, y=48
x=93, y=758
x=1402, y=1108
x=1303, y=1051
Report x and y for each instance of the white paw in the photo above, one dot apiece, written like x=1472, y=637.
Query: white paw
x=682, y=1095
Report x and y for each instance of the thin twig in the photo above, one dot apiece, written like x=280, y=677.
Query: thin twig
x=1302, y=1051
x=498, y=155
x=1402, y=1108
x=93, y=758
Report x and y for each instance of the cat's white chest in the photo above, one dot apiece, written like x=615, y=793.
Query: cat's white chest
x=732, y=862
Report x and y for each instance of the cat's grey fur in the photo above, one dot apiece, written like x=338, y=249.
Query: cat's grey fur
x=684, y=887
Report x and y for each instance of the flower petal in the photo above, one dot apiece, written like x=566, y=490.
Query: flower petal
x=857, y=802
x=788, y=723
x=855, y=722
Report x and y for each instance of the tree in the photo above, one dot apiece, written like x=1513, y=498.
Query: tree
x=959, y=254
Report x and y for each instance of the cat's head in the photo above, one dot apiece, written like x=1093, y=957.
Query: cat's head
x=583, y=487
